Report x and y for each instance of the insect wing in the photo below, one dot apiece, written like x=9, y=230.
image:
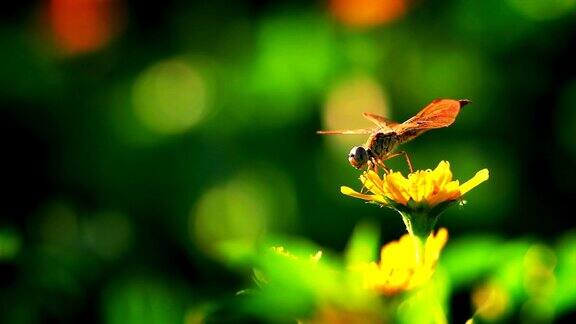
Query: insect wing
x=439, y=113
x=383, y=122
x=361, y=131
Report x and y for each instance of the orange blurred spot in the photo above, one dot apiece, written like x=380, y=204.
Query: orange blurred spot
x=81, y=26
x=367, y=13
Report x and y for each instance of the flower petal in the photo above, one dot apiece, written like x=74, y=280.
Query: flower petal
x=401, y=266
x=441, y=175
x=478, y=178
x=434, y=244
x=351, y=192
x=426, y=188
x=373, y=182
x=395, y=187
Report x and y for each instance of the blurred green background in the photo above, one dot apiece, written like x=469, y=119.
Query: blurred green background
x=139, y=137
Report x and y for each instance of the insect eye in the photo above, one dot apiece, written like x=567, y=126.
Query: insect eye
x=358, y=157
x=357, y=151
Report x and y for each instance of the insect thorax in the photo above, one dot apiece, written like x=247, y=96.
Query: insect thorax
x=382, y=143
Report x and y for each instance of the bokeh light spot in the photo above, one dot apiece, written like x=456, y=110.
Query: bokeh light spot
x=198, y=314
x=230, y=217
x=9, y=244
x=81, y=26
x=491, y=301
x=170, y=97
x=539, y=279
x=344, y=105
x=367, y=13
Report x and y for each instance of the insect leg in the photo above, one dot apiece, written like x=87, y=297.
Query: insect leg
x=407, y=160
x=384, y=166
x=372, y=165
x=405, y=156
x=376, y=161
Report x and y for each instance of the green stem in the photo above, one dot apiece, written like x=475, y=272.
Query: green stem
x=419, y=224
x=420, y=219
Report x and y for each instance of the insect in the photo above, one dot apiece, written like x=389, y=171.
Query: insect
x=388, y=134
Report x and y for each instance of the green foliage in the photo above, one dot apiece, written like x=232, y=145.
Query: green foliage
x=183, y=143
x=143, y=299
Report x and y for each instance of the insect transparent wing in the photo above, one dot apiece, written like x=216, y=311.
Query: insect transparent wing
x=382, y=122
x=349, y=131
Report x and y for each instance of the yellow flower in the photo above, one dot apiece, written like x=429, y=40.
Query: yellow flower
x=429, y=187
x=404, y=264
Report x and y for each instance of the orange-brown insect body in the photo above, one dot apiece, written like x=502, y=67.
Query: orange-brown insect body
x=385, y=138
x=381, y=144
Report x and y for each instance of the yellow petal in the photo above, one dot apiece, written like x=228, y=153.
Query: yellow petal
x=442, y=175
x=435, y=244
x=444, y=166
x=450, y=191
x=480, y=177
x=351, y=192
x=425, y=187
x=395, y=186
x=429, y=187
x=373, y=182
x=400, y=267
